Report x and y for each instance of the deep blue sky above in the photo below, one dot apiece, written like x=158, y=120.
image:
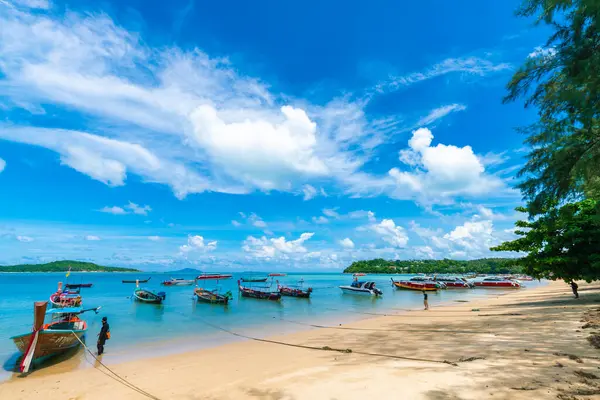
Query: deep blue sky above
x=258, y=135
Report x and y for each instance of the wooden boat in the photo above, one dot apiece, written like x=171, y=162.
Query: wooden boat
x=136, y=280
x=212, y=296
x=213, y=276
x=254, y=279
x=65, y=298
x=148, y=296
x=277, y=274
x=294, y=291
x=78, y=285
x=359, y=274
x=453, y=282
x=62, y=333
x=496, y=282
x=416, y=285
x=362, y=288
x=427, y=279
x=179, y=282
x=259, y=294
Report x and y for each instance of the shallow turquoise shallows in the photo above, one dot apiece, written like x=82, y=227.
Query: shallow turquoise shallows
x=181, y=324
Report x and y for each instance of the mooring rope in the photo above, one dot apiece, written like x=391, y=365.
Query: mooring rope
x=116, y=377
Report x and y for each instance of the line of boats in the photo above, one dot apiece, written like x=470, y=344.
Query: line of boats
x=61, y=328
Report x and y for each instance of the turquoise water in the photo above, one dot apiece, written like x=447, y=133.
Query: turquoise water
x=145, y=330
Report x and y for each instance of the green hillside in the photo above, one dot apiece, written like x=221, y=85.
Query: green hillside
x=63, y=266
x=481, y=266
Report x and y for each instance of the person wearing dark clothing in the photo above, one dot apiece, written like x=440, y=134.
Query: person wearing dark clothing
x=425, y=301
x=103, y=336
x=575, y=286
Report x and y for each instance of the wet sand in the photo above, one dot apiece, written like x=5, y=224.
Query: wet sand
x=527, y=344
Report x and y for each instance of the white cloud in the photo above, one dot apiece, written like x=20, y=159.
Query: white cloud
x=257, y=221
x=136, y=209
x=370, y=215
x=320, y=220
x=91, y=238
x=275, y=247
x=235, y=223
x=39, y=4
x=347, y=243
x=196, y=243
x=24, y=239
x=113, y=210
x=424, y=252
x=440, y=112
x=542, y=52
x=2, y=164
x=331, y=213
x=309, y=192
x=390, y=233
x=441, y=170
x=424, y=232
x=154, y=238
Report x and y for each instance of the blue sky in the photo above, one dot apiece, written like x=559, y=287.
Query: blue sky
x=258, y=135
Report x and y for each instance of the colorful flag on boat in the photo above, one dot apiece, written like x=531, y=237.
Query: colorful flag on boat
x=69, y=272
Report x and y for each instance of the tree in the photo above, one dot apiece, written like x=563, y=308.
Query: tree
x=563, y=243
x=562, y=80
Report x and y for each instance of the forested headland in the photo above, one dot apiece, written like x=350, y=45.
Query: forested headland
x=481, y=266
x=63, y=266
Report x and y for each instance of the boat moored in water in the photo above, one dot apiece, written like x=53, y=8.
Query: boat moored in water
x=496, y=282
x=178, y=282
x=205, y=276
x=363, y=288
x=252, y=279
x=78, y=285
x=136, y=280
x=257, y=293
x=454, y=282
x=294, y=291
x=65, y=298
x=212, y=296
x=148, y=296
x=427, y=286
x=63, y=332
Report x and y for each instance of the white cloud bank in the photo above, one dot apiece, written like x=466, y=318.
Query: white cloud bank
x=196, y=243
x=2, y=165
x=276, y=247
x=130, y=208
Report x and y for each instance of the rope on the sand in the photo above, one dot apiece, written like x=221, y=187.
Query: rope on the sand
x=116, y=376
x=326, y=348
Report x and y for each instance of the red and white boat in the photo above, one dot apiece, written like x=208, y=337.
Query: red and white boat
x=496, y=282
x=213, y=276
x=427, y=286
x=277, y=274
x=453, y=282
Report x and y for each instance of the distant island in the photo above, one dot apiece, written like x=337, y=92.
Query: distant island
x=63, y=266
x=481, y=266
x=185, y=271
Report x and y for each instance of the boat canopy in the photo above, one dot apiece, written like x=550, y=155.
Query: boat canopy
x=66, y=310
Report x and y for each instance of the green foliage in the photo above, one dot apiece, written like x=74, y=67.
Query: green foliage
x=563, y=83
x=63, y=266
x=563, y=243
x=482, y=266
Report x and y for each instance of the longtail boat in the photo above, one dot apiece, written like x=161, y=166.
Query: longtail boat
x=294, y=291
x=148, y=296
x=136, y=280
x=178, y=282
x=65, y=298
x=496, y=282
x=277, y=274
x=78, y=285
x=362, y=288
x=62, y=333
x=250, y=279
x=206, y=276
x=212, y=296
x=416, y=285
x=259, y=294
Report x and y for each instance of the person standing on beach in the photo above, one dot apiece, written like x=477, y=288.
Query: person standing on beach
x=425, y=301
x=575, y=286
x=103, y=336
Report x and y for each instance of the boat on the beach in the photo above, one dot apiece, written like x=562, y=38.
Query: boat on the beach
x=427, y=286
x=454, y=282
x=496, y=282
x=294, y=291
x=178, y=282
x=363, y=288
x=136, y=280
x=251, y=279
x=212, y=296
x=148, y=296
x=63, y=332
x=65, y=298
x=78, y=285
x=258, y=293
x=277, y=274
x=205, y=276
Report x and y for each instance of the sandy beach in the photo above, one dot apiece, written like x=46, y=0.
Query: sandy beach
x=527, y=344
